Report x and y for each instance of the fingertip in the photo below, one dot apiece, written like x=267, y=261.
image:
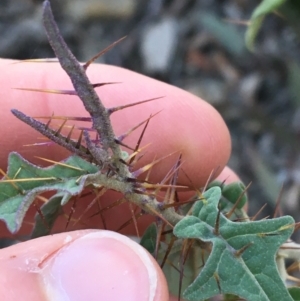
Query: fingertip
x=228, y=176
x=81, y=265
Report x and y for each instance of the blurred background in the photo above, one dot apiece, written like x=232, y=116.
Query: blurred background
x=199, y=46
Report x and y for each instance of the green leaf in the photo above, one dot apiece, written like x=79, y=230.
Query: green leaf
x=242, y=260
x=234, y=192
x=264, y=8
x=148, y=241
x=231, y=193
x=50, y=210
x=67, y=177
x=295, y=293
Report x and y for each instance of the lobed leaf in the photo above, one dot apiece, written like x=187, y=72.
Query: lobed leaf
x=24, y=181
x=242, y=260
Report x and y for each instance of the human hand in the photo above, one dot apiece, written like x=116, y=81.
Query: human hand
x=89, y=264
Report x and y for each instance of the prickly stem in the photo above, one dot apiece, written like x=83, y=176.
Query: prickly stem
x=81, y=83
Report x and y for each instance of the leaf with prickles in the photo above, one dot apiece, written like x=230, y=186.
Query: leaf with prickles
x=242, y=260
x=24, y=181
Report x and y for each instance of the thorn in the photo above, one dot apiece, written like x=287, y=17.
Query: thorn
x=88, y=129
x=294, y=279
x=131, y=180
x=90, y=61
x=277, y=206
x=165, y=179
x=183, y=255
x=60, y=163
x=123, y=144
x=258, y=212
x=160, y=227
x=114, y=204
x=41, y=198
x=240, y=252
x=156, y=213
x=170, y=245
x=51, y=91
x=70, y=134
x=123, y=136
x=159, y=186
x=115, y=109
x=297, y=226
x=190, y=243
x=177, y=204
x=211, y=176
x=78, y=144
x=28, y=180
x=217, y=224
x=217, y=278
x=104, y=84
x=18, y=171
x=48, y=143
x=136, y=216
x=135, y=153
x=12, y=183
x=150, y=165
x=181, y=268
x=141, y=136
x=124, y=162
x=101, y=192
x=134, y=219
x=198, y=192
x=89, y=119
x=49, y=60
x=285, y=227
x=60, y=128
x=101, y=215
x=174, y=179
x=40, y=213
x=72, y=211
x=228, y=215
x=173, y=266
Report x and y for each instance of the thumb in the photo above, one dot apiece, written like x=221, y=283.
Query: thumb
x=80, y=265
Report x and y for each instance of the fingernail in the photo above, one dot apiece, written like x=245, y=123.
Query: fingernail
x=102, y=265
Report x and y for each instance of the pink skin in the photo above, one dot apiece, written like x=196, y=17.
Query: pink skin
x=185, y=124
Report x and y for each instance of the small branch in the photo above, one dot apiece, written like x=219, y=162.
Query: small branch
x=147, y=203
x=81, y=83
x=53, y=135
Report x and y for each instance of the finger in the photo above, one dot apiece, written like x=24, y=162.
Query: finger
x=185, y=124
x=79, y=266
x=228, y=176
